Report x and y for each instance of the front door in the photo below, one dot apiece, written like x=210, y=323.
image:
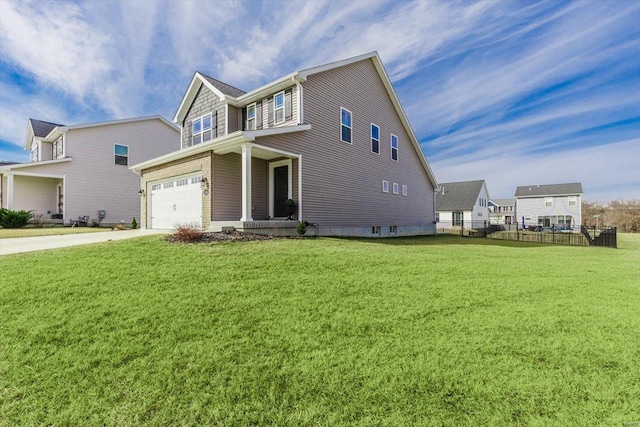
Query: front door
x=280, y=190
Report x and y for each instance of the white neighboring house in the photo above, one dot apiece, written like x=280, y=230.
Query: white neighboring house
x=80, y=170
x=502, y=211
x=549, y=205
x=462, y=204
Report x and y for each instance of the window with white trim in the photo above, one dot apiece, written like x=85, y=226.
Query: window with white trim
x=121, y=154
x=375, y=230
x=404, y=190
x=34, y=152
x=385, y=186
x=393, y=229
x=548, y=201
x=345, y=125
x=278, y=107
x=375, y=138
x=201, y=129
x=394, y=147
x=437, y=216
x=573, y=200
x=395, y=188
x=251, y=117
x=58, y=148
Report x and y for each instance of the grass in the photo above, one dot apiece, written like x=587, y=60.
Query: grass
x=321, y=332
x=9, y=233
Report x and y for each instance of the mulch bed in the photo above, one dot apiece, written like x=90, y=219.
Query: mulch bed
x=213, y=237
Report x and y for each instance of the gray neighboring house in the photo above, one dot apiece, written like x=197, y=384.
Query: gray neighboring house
x=333, y=138
x=77, y=171
x=548, y=205
x=502, y=211
x=462, y=204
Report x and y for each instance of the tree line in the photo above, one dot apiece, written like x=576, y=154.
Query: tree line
x=624, y=214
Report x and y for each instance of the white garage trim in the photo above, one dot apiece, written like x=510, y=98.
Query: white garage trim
x=175, y=201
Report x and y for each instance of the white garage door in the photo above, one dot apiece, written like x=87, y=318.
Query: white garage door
x=176, y=202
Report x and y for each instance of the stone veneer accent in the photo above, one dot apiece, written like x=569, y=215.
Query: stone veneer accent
x=197, y=163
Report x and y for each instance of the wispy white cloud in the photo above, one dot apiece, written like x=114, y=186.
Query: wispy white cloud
x=492, y=88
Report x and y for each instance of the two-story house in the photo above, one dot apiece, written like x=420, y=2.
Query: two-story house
x=549, y=205
x=462, y=204
x=502, y=211
x=333, y=138
x=83, y=170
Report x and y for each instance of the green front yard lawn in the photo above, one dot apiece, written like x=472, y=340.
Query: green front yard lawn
x=321, y=332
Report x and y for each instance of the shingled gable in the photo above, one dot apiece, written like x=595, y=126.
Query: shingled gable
x=219, y=89
x=568, y=189
x=38, y=128
x=458, y=195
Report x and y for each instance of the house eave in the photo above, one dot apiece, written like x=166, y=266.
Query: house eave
x=217, y=144
x=10, y=168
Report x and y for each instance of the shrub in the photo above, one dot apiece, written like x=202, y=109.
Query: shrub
x=14, y=219
x=134, y=223
x=186, y=233
x=301, y=228
x=38, y=220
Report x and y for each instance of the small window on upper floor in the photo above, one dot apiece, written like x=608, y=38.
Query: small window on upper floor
x=201, y=129
x=395, y=188
x=34, y=152
x=278, y=107
x=385, y=186
x=121, y=155
x=345, y=125
x=405, y=191
x=394, y=147
x=548, y=201
x=573, y=200
x=58, y=148
x=375, y=139
x=251, y=117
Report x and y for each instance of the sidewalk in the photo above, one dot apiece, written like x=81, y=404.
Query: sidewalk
x=30, y=244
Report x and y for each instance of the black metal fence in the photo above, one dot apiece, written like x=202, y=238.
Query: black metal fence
x=555, y=234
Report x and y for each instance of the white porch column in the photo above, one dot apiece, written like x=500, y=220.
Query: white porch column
x=300, y=187
x=9, y=191
x=246, y=183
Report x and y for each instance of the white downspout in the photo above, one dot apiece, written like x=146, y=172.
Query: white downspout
x=300, y=95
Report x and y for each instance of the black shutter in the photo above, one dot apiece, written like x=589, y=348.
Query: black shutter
x=216, y=124
x=270, y=108
x=287, y=104
x=259, y=115
x=244, y=118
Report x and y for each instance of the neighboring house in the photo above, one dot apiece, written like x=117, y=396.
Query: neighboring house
x=77, y=171
x=333, y=138
x=462, y=204
x=548, y=205
x=502, y=211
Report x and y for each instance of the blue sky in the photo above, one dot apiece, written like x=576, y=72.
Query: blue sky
x=513, y=92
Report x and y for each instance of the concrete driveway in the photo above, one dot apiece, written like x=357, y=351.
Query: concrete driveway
x=30, y=244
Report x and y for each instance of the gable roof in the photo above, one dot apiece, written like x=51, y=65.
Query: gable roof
x=296, y=77
x=569, y=189
x=503, y=202
x=226, y=89
x=42, y=128
x=55, y=130
x=460, y=195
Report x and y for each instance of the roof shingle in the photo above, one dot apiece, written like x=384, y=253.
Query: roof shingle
x=458, y=195
x=42, y=128
x=223, y=87
x=549, y=190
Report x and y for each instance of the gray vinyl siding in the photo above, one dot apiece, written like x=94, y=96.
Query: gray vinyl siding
x=227, y=187
x=265, y=111
x=235, y=119
x=342, y=183
x=535, y=206
x=205, y=102
x=259, y=189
